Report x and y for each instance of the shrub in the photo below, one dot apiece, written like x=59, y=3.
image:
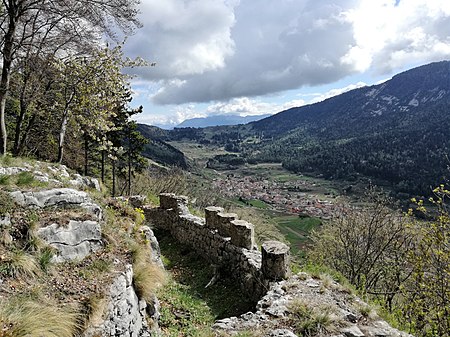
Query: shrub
x=368, y=246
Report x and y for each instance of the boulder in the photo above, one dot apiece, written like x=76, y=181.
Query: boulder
x=74, y=241
x=81, y=181
x=57, y=197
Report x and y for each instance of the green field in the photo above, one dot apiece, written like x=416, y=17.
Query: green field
x=251, y=202
x=296, y=230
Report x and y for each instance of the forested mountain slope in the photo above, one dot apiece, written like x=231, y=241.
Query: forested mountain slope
x=396, y=132
x=158, y=150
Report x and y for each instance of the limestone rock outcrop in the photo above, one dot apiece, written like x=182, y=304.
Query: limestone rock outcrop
x=74, y=241
x=56, y=197
x=54, y=174
x=126, y=314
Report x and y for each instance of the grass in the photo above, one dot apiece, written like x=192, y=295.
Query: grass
x=308, y=319
x=25, y=179
x=297, y=230
x=18, y=263
x=6, y=203
x=21, y=317
x=147, y=276
x=4, y=179
x=187, y=308
x=45, y=258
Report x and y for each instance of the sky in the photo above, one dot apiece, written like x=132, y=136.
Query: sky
x=250, y=57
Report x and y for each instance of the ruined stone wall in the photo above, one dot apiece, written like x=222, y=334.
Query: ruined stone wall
x=225, y=241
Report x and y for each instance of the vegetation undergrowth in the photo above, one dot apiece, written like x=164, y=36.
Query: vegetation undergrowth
x=187, y=307
x=24, y=317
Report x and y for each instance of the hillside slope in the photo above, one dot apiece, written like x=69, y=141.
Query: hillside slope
x=72, y=261
x=158, y=150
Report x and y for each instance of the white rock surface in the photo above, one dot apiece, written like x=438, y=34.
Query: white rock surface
x=273, y=310
x=125, y=314
x=57, y=197
x=72, y=242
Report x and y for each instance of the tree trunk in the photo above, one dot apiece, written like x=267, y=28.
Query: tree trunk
x=62, y=135
x=8, y=43
x=19, y=122
x=103, y=165
x=86, y=152
x=24, y=139
x=129, y=161
x=113, y=178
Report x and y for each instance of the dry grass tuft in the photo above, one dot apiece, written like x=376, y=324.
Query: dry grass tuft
x=309, y=319
x=93, y=310
x=17, y=263
x=29, y=318
x=147, y=276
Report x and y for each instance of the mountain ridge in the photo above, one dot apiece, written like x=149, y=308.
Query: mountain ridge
x=394, y=131
x=219, y=120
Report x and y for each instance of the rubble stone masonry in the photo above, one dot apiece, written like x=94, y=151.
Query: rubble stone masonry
x=224, y=241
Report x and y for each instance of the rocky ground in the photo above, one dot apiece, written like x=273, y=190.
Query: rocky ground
x=307, y=306
x=64, y=245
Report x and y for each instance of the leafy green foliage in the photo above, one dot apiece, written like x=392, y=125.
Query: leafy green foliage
x=427, y=293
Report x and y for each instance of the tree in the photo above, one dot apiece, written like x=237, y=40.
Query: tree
x=35, y=22
x=368, y=246
x=427, y=294
x=91, y=90
x=134, y=144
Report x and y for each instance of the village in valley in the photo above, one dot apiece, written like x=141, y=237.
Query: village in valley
x=294, y=196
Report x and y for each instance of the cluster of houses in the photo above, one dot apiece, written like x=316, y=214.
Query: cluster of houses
x=292, y=196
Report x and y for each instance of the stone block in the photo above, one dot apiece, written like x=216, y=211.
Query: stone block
x=167, y=201
x=224, y=223
x=175, y=202
x=275, y=260
x=242, y=234
x=211, y=216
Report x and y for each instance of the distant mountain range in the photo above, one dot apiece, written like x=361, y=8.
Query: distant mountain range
x=203, y=122
x=396, y=133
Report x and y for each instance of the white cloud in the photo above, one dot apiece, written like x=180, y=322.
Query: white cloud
x=220, y=50
x=183, y=37
x=392, y=35
x=242, y=106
